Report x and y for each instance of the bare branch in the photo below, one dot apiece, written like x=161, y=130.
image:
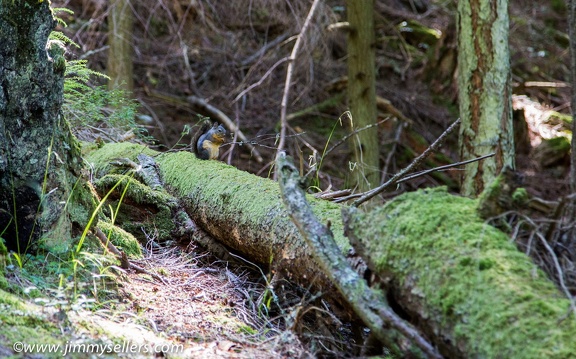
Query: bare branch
x=289, y=71
x=368, y=304
x=417, y=161
x=256, y=84
x=440, y=168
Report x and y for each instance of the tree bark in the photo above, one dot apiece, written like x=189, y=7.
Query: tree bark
x=484, y=91
x=571, y=4
x=362, y=92
x=38, y=154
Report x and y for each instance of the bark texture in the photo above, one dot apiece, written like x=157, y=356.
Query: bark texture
x=571, y=4
x=36, y=147
x=362, y=91
x=484, y=91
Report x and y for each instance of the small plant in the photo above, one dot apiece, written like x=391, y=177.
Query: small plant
x=86, y=104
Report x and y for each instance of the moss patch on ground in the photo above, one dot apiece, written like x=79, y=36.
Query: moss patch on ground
x=22, y=322
x=497, y=302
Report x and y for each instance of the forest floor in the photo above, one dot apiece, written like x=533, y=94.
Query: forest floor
x=210, y=308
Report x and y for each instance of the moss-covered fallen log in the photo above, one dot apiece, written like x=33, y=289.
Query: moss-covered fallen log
x=242, y=211
x=457, y=279
x=462, y=281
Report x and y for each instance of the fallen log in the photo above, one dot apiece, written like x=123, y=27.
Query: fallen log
x=242, y=211
x=455, y=278
x=462, y=281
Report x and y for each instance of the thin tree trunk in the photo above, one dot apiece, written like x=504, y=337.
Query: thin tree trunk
x=362, y=92
x=120, y=65
x=484, y=91
x=572, y=32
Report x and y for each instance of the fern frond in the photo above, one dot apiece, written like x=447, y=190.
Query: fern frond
x=58, y=35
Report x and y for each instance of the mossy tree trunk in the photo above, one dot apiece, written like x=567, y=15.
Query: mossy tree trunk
x=461, y=282
x=120, y=65
x=362, y=92
x=37, y=149
x=484, y=91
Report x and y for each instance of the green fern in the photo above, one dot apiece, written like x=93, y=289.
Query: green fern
x=59, y=35
x=85, y=103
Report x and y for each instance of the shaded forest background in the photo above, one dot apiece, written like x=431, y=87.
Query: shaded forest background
x=232, y=54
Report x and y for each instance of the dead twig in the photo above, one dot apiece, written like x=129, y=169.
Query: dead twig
x=559, y=271
x=399, y=131
x=259, y=82
x=252, y=58
x=417, y=161
x=441, y=168
x=289, y=71
x=420, y=174
x=343, y=140
x=125, y=263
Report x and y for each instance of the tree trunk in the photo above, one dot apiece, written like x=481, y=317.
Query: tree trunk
x=461, y=281
x=484, y=91
x=455, y=278
x=242, y=211
x=362, y=92
x=37, y=150
x=120, y=66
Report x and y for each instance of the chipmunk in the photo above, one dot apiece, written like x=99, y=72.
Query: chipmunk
x=207, y=142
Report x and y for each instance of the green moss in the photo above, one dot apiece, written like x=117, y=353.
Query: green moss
x=211, y=175
x=100, y=159
x=559, y=6
x=3, y=250
x=470, y=274
x=557, y=117
x=256, y=198
x=520, y=196
x=121, y=239
x=142, y=209
x=22, y=322
x=3, y=256
x=558, y=144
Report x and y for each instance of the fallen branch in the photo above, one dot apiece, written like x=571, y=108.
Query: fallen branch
x=369, y=305
x=419, y=174
x=417, y=161
x=441, y=168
